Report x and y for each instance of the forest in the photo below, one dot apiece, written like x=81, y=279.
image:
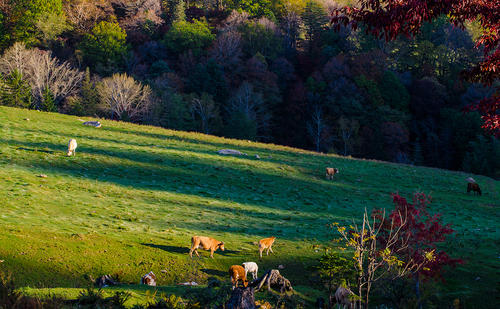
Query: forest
x=275, y=71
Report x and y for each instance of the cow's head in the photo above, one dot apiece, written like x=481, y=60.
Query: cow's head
x=336, y=170
x=221, y=245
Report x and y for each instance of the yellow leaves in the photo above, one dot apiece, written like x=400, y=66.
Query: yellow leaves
x=341, y=229
x=429, y=255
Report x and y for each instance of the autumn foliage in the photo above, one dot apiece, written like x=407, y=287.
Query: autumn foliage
x=420, y=233
x=391, y=18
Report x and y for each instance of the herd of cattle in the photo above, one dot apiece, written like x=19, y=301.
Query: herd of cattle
x=236, y=272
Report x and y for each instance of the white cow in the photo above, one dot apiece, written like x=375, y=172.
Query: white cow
x=72, y=147
x=251, y=267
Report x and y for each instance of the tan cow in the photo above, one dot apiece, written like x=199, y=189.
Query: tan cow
x=266, y=243
x=237, y=273
x=206, y=243
x=330, y=172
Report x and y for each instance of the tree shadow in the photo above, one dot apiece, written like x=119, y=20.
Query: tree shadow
x=171, y=249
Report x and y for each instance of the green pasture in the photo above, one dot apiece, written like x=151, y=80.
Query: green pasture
x=132, y=197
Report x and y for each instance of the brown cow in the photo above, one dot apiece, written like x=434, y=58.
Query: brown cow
x=266, y=243
x=474, y=187
x=237, y=273
x=206, y=243
x=330, y=172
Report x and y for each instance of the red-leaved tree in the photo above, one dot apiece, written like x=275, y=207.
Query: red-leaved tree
x=390, y=18
x=420, y=234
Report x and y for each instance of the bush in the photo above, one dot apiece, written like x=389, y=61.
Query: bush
x=92, y=298
x=184, y=36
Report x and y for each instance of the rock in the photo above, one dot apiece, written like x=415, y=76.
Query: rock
x=27, y=119
x=149, y=279
x=281, y=267
x=96, y=124
x=42, y=176
x=257, y=156
x=164, y=271
x=230, y=152
x=192, y=283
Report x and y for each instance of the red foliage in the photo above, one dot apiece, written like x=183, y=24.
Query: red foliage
x=422, y=231
x=390, y=18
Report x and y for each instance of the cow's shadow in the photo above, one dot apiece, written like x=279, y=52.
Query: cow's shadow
x=171, y=249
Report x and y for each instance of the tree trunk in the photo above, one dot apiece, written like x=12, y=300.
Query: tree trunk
x=417, y=291
x=241, y=298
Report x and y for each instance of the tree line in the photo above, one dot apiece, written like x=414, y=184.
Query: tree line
x=272, y=70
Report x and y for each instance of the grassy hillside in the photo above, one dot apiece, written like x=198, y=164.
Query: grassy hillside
x=132, y=197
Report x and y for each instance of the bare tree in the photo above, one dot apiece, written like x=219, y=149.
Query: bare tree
x=316, y=127
x=46, y=72
x=347, y=132
x=84, y=14
x=42, y=72
x=15, y=58
x=226, y=50
x=204, y=108
x=291, y=25
x=124, y=97
x=234, y=20
x=249, y=103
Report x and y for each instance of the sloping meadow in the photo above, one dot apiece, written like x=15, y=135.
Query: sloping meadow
x=132, y=197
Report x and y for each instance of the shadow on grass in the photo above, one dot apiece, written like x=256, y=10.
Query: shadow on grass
x=214, y=272
x=35, y=150
x=171, y=249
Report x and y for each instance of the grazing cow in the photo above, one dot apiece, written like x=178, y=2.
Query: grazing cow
x=330, y=172
x=266, y=243
x=72, y=147
x=342, y=297
x=206, y=243
x=237, y=273
x=251, y=267
x=474, y=187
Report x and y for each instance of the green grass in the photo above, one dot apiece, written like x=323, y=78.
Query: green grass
x=132, y=197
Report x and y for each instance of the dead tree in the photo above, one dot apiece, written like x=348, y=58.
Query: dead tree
x=273, y=279
x=241, y=298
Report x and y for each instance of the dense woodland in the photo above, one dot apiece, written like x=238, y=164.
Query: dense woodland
x=266, y=70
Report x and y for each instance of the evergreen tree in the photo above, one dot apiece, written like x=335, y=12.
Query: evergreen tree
x=15, y=91
x=314, y=18
x=48, y=102
x=177, y=11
